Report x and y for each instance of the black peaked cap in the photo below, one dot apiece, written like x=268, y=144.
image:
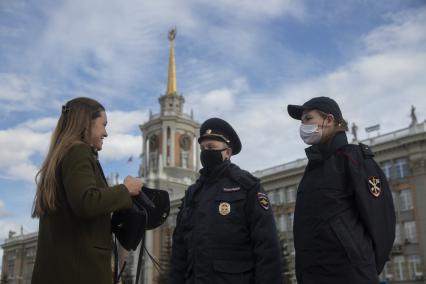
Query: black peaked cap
x=218, y=129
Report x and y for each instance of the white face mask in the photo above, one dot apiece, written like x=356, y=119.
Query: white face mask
x=310, y=133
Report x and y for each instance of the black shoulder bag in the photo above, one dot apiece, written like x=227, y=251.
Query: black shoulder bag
x=149, y=210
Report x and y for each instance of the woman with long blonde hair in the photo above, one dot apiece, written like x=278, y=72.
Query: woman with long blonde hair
x=74, y=202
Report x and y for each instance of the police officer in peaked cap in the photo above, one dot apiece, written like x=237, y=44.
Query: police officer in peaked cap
x=225, y=231
x=344, y=220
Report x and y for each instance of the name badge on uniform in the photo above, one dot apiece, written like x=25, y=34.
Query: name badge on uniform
x=224, y=208
x=231, y=189
x=374, y=186
x=263, y=200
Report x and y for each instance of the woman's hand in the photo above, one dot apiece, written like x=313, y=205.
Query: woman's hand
x=133, y=185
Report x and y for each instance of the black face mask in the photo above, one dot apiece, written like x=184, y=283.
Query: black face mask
x=211, y=158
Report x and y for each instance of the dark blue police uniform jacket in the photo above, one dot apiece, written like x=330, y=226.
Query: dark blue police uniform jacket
x=223, y=234
x=343, y=233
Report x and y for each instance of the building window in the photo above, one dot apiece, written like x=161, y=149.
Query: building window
x=184, y=159
x=291, y=194
x=401, y=168
x=282, y=223
x=387, y=271
x=398, y=267
x=414, y=268
x=410, y=232
x=11, y=267
x=280, y=196
x=31, y=252
x=290, y=221
x=394, y=199
x=398, y=234
x=387, y=169
x=406, y=201
x=153, y=161
x=271, y=197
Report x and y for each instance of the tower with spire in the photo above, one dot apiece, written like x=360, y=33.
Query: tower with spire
x=170, y=159
x=170, y=149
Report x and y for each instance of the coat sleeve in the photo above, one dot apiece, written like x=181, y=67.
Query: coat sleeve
x=178, y=258
x=264, y=237
x=85, y=198
x=374, y=203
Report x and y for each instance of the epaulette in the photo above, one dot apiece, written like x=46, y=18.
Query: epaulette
x=366, y=151
x=244, y=178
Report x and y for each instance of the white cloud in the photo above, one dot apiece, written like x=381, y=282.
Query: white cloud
x=376, y=87
x=125, y=121
x=124, y=137
x=406, y=32
x=218, y=101
x=17, y=147
x=20, y=144
x=121, y=146
x=259, y=9
x=42, y=124
x=367, y=88
x=101, y=49
x=18, y=92
x=3, y=211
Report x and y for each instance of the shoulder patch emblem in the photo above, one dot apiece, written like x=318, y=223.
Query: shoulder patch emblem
x=374, y=186
x=224, y=208
x=263, y=200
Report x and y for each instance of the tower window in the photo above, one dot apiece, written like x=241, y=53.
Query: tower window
x=184, y=159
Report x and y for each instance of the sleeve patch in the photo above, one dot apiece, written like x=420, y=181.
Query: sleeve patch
x=263, y=200
x=375, y=186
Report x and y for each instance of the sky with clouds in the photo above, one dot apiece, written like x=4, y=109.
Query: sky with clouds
x=240, y=60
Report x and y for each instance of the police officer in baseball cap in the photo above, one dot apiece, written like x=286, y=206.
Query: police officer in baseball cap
x=344, y=219
x=225, y=231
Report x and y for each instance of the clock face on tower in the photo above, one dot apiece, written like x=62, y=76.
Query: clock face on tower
x=185, y=142
x=153, y=143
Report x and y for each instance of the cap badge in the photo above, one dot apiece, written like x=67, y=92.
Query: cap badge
x=224, y=208
x=208, y=131
x=374, y=186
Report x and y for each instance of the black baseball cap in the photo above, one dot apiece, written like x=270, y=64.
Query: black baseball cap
x=324, y=104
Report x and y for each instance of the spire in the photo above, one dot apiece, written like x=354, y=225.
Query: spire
x=171, y=80
x=171, y=103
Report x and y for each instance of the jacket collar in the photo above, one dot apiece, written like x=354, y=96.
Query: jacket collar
x=215, y=172
x=325, y=150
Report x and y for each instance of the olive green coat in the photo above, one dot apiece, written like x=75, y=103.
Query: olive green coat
x=75, y=241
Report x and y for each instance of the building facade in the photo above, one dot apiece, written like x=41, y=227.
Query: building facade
x=18, y=258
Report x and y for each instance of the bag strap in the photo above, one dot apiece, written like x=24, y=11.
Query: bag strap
x=117, y=275
x=138, y=266
x=116, y=278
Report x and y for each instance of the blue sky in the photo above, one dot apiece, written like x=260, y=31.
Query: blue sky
x=240, y=60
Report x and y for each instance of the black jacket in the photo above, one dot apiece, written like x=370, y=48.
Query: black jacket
x=344, y=227
x=223, y=234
